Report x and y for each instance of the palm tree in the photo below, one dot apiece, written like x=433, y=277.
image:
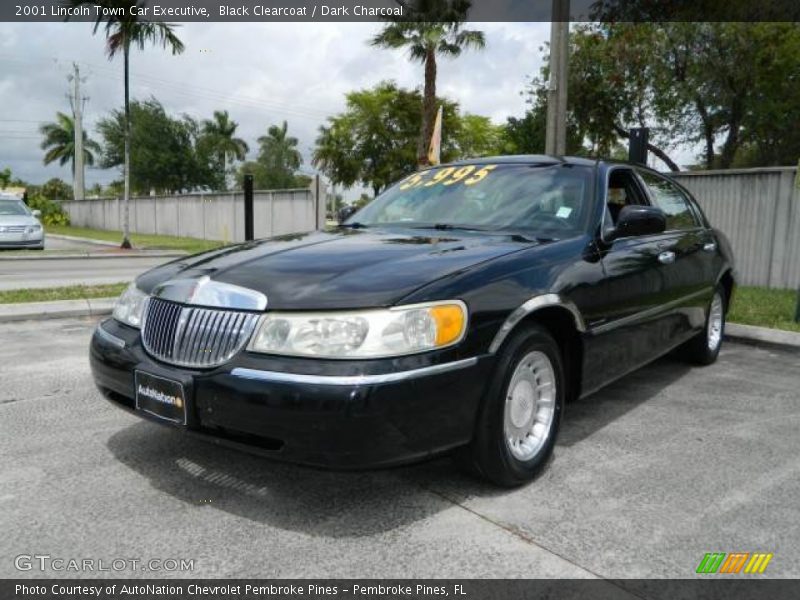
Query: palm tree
x=59, y=142
x=279, y=150
x=124, y=29
x=427, y=30
x=219, y=132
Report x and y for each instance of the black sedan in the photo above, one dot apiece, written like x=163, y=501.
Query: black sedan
x=460, y=310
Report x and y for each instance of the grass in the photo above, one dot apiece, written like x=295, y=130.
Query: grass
x=765, y=308
x=149, y=242
x=72, y=292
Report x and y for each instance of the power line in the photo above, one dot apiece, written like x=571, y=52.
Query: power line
x=185, y=89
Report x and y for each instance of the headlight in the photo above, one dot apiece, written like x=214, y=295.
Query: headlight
x=129, y=307
x=34, y=228
x=362, y=334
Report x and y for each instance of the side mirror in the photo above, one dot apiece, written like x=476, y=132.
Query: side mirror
x=638, y=220
x=345, y=213
x=36, y=213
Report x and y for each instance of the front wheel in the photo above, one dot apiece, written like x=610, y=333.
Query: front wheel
x=704, y=348
x=521, y=413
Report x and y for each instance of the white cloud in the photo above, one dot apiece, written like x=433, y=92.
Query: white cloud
x=261, y=73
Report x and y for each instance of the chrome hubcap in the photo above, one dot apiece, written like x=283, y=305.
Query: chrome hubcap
x=530, y=406
x=715, y=317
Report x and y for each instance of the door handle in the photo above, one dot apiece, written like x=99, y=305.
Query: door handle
x=667, y=257
x=710, y=246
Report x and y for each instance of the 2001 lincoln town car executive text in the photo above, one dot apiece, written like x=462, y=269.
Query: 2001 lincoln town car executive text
x=459, y=310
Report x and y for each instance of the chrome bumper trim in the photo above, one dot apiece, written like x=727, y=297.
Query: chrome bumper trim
x=111, y=339
x=351, y=380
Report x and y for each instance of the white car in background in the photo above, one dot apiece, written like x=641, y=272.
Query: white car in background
x=19, y=226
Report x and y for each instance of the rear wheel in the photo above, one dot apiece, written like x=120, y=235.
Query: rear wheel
x=704, y=348
x=521, y=413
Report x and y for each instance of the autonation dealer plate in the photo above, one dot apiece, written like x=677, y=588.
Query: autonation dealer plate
x=160, y=397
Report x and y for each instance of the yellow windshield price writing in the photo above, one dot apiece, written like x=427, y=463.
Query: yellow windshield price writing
x=468, y=175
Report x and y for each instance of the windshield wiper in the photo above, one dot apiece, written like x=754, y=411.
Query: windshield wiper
x=450, y=227
x=355, y=225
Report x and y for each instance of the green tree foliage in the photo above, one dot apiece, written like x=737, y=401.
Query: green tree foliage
x=731, y=87
x=476, y=136
x=220, y=146
x=278, y=153
x=125, y=30
x=166, y=156
x=5, y=178
x=59, y=142
x=527, y=135
x=374, y=142
x=430, y=28
x=54, y=189
x=52, y=213
x=277, y=163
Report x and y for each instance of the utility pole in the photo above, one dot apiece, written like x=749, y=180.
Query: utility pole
x=556, y=135
x=77, y=101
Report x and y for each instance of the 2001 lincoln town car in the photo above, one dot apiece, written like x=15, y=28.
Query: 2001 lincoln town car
x=460, y=310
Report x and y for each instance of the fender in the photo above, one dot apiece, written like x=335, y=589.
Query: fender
x=531, y=306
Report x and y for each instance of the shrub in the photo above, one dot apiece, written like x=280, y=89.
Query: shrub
x=52, y=213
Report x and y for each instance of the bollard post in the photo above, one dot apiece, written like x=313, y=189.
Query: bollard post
x=637, y=145
x=248, y=208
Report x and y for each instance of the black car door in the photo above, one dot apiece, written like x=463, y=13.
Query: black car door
x=623, y=328
x=687, y=258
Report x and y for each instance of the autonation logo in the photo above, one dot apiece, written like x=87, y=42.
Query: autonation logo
x=159, y=396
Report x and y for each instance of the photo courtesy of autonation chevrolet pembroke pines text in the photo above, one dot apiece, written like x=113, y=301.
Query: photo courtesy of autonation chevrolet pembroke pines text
x=377, y=299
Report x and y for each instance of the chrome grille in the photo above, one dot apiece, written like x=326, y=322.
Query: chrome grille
x=190, y=336
x=13, y=228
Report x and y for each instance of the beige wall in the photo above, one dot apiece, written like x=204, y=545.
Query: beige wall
x=207, y=216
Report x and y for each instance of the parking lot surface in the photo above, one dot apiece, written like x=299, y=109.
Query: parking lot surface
x=649, y=474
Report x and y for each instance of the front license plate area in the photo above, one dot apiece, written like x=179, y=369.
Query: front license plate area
x=160, y=397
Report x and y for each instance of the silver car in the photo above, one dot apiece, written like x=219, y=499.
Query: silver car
x=19, y=226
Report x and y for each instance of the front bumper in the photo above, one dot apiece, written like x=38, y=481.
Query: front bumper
x=22, y=240
x=319, y=412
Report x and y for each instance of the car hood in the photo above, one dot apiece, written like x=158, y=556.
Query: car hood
x=341, y=268
x=18, y=221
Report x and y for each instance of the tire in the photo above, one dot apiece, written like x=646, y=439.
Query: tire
x=524, y=403
x=704, y=348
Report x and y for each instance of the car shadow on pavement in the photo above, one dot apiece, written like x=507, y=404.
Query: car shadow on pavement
x=345, y=503
x=588, y=415
x=291, y=497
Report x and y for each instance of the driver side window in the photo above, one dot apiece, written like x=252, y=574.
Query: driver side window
x=623, y=190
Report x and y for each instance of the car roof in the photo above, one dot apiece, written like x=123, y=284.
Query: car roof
x=527, y=159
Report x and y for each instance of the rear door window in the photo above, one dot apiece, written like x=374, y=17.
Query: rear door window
x=670, y=198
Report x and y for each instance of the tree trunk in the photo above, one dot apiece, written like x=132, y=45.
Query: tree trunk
x=658, y=152
x=126, y=173
x=708, y=132
x=731, y=144
x=428, y=108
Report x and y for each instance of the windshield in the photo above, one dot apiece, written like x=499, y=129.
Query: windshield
x=12, y=207
x=548, y=199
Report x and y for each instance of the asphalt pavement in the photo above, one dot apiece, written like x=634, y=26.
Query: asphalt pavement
x=649, y=474
x=60, y=244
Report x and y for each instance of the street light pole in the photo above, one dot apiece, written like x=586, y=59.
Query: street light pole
x=77, y=114
x=556, y=134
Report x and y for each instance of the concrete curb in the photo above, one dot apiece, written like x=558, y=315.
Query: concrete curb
x=58, y=309
x=762, y=335
x=75, y=238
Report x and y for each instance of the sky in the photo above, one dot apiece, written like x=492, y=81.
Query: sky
x=261, y=73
